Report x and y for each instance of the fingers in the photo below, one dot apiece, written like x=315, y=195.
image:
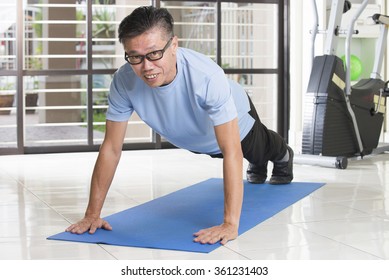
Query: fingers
x=76, y=228
x=208, y=237
x=106, y=225
x=93, y=228
x=224, y=240
x=70, y=228
x=88, y=225
x=213, y=235
x=102, y=224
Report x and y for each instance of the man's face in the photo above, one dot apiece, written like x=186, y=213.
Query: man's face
x=153, y=73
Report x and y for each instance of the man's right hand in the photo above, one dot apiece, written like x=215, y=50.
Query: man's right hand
x=91, y=224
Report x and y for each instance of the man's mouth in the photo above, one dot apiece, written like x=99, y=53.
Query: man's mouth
x=150, y=77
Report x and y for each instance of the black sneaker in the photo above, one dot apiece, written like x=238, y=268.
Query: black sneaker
x=256, y=174
x=283, y=171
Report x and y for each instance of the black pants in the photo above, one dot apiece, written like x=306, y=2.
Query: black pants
x=261, y=144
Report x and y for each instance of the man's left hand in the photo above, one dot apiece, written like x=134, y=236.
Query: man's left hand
x=222, y=233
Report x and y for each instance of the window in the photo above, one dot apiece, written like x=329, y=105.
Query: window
x=54, y=98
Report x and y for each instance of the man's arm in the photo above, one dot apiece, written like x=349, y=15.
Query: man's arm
x=229, y=142
x=103, y=173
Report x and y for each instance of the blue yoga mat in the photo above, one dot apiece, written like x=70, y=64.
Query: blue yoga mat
x=169, y=222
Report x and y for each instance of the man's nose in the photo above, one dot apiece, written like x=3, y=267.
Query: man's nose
x=147, y=64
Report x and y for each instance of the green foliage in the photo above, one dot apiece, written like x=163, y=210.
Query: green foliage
x=103, y=29
x=6, y=86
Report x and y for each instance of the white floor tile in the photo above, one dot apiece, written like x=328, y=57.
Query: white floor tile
x=41, y=195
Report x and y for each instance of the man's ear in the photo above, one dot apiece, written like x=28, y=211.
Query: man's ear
x=174, y=45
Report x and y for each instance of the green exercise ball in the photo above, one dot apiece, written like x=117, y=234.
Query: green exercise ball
x=355, y=67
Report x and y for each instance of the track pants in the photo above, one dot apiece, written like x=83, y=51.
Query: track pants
x=261, y=144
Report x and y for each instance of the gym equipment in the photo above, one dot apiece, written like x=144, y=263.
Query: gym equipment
x=341, y=120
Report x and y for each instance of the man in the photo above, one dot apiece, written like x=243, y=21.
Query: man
x=186, y=98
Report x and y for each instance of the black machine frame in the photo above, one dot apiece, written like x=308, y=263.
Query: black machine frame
x=341, y=120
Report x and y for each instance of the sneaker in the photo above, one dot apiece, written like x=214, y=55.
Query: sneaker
x=256, y=174
x=283, y=171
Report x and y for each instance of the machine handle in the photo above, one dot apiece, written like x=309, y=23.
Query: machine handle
x=381, y=19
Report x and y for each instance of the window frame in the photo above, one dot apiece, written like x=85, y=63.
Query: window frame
x=282, y=72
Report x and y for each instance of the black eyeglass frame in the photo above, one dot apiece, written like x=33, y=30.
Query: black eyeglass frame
x=147, y=55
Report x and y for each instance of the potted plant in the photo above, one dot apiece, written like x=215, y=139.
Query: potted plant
x=31, y=98
x=7, y=96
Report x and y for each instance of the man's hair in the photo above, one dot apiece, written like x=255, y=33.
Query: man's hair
x=143, y=19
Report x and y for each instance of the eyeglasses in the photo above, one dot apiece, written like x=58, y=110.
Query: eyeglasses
x=151, y=56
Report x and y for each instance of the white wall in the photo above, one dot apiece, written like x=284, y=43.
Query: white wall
x=301, y=15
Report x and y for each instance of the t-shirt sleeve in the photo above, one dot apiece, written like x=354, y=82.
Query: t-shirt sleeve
x=218, y=99
x=119, y=105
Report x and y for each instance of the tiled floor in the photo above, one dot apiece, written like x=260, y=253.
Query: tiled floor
x=40, y=195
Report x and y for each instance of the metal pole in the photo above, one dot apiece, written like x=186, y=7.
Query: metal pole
x=339, y=162
x=19, y=83
x=315, y=28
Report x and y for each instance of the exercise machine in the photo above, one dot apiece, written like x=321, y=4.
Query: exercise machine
x=342, y=120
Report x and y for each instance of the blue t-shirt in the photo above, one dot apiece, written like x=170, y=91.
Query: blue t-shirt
x=186, y=110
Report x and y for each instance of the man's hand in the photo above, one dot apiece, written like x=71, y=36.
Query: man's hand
x=222, y=233
x=91, y=224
